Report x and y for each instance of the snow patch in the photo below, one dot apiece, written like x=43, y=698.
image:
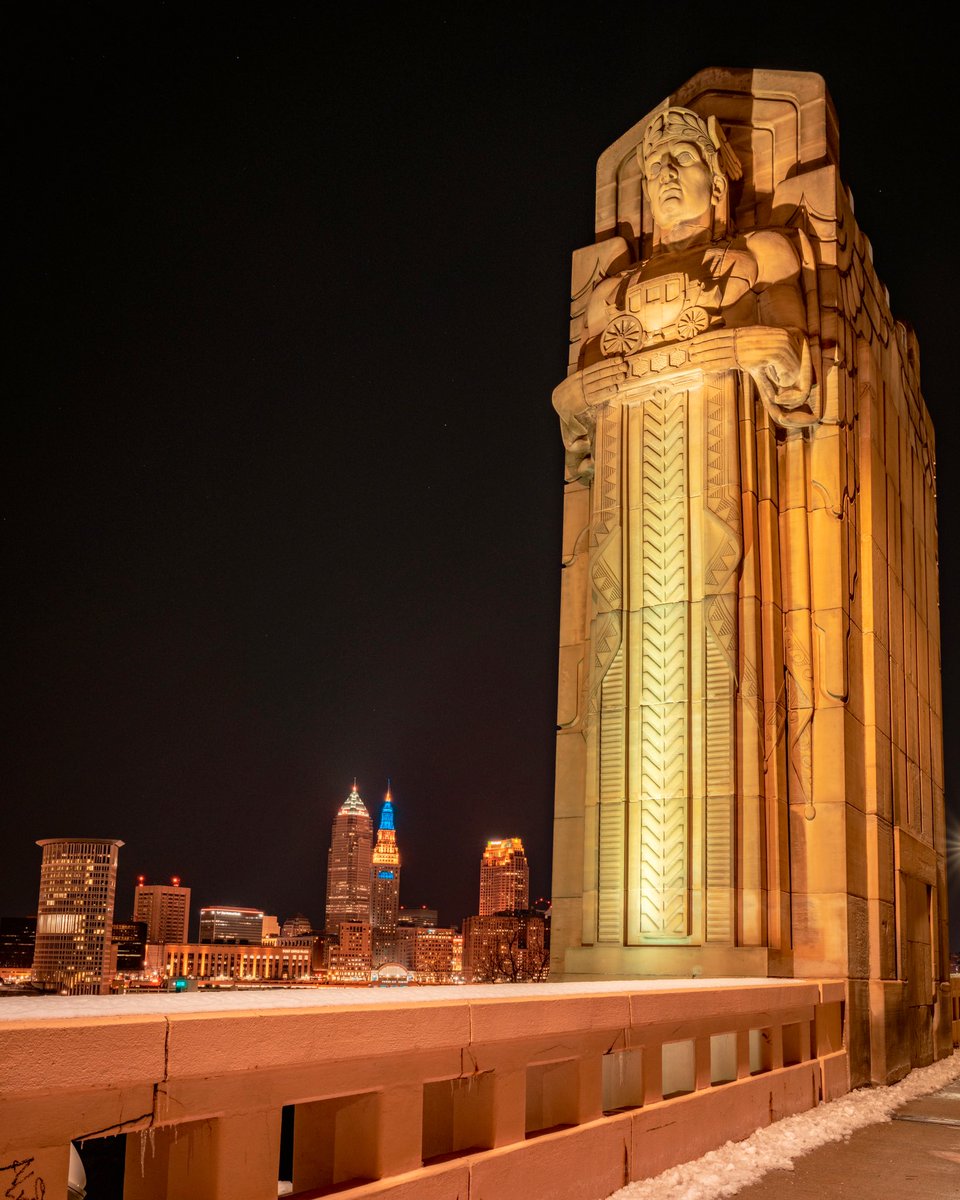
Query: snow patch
x=725, y=1171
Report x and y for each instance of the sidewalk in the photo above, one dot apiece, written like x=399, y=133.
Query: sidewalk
x=916, y=1156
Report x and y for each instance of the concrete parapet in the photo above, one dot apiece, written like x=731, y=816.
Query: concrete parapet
x=583, y=1087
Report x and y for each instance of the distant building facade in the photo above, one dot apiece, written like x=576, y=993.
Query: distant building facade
x=232, y=925
x=506, y=947
x=504, y=877
x=164, y=909
x=349, y=954
x=385, y=887
x=18, y=936
x=431, y=955
x=78, y=884
x=418, y=916
x=130, y=944
x=218, y=960
x=348, y=864
x=296, y=926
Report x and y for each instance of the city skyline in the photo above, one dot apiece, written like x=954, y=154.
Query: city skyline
x=245, y=564
x=177, y=905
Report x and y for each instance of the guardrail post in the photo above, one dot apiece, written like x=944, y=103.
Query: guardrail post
x=590, y=1089
x=509, y=1106
x=399, y=1130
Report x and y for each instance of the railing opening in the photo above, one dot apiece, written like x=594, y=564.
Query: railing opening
x=552, y=1096
x=796, y=1043
x=335, y=1141
x=760, y=1051
x=723, y=1058
x=679, y=1068
x=285, y=1165
x=622, y=1080
x=104, y=1160
x=457, y=1116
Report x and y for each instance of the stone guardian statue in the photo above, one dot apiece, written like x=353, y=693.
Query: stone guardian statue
x=719, y=792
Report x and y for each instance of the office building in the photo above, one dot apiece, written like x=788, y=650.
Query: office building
x=431, y=955
x=418, y=916
x=239, y=926
x=18, y=937
x=504, y=877
x=505, y=947
x=207, y=960
x=130, y=940
x=296, y=926
x=349, y=956
x=385, y=887
x=78, y=883
x=164, y=909
x=348, y=864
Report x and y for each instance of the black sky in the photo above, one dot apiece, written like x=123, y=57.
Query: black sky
x=284, y=482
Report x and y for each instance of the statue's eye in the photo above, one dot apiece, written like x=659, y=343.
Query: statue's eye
x=653, y=169
x=684, y=158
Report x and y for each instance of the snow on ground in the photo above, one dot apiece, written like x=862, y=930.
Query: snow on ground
x=726, y=1171
x=61, y=1008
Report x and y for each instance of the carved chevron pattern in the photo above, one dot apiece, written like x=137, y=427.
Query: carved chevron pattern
x=721, y=493
x=720, y=787
x=664, y=508
x=607, y=637
x=663, y=864
x=721, y=614
x=612, y=805
x=664, y=658
x=607, y=582
x=606, y=484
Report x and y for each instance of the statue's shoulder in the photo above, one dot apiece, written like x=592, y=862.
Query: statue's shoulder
x=775, y=256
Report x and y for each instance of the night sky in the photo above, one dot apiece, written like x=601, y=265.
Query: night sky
x=283, y=488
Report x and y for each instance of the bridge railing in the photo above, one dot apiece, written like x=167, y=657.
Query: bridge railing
x=423, y=1094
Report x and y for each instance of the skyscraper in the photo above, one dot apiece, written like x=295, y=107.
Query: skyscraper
x=78, y=883
x=348, y=864
x=164, y=909
x=385, y=887
x=504, y=877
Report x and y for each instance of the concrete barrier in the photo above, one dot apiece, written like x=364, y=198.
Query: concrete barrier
x=565, y=1092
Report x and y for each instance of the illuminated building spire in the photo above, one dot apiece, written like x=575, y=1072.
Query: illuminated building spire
x=386, y=815
x=385, y=886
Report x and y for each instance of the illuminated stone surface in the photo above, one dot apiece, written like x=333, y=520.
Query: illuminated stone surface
x=417, y=1094
x=749, y=762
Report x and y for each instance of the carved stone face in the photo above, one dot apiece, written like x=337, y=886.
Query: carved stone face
x=679, y=183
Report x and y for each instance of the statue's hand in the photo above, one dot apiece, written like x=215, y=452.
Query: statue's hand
x=772, y=351
x=777, y=359
x=576, y=400
x=601, y=382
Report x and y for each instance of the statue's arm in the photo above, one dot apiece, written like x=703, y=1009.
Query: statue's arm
x=774, y=352
x=576, y=401
x=582, y=392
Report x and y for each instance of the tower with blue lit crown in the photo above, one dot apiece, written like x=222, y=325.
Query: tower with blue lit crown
x=385, y=886
x=348, y=864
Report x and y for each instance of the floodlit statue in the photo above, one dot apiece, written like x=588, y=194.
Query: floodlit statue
x=700, y=285
x=721, y=742
x=672, y=349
